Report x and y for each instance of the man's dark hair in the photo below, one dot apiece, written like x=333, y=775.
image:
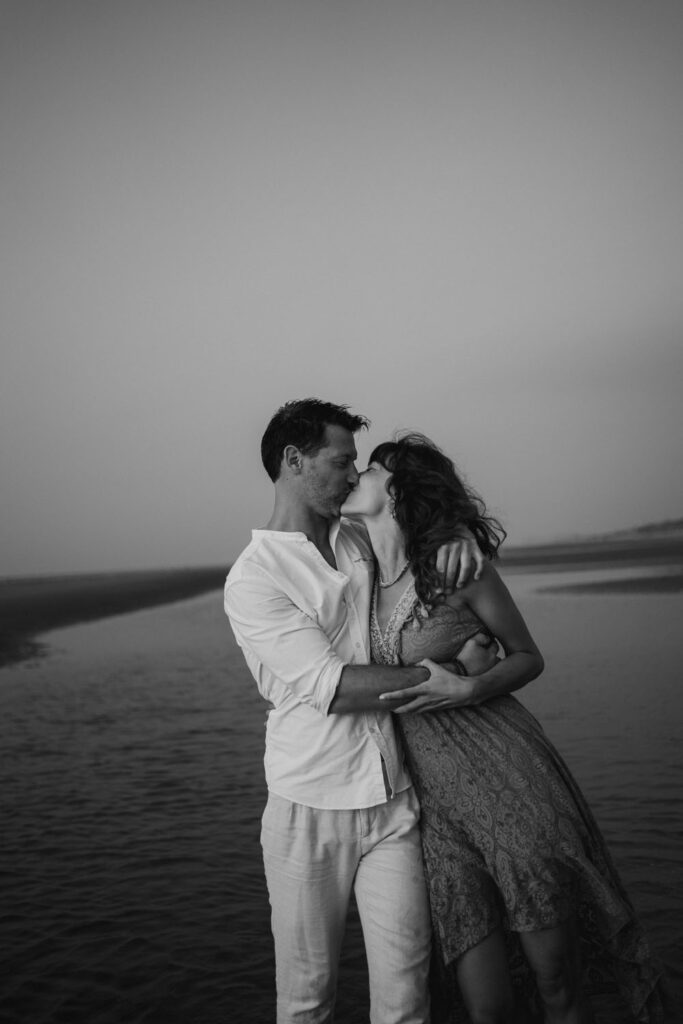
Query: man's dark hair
x=302, y=423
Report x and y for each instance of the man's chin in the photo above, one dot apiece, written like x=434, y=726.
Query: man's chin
x=346, y=507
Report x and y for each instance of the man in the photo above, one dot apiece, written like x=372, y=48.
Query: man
x=341, y=811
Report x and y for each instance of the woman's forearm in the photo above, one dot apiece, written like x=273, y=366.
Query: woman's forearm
x=446, y=689
x=506, y=676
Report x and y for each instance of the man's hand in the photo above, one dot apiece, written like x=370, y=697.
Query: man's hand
x=443, y=689
x=459, y=561
x=478, y=654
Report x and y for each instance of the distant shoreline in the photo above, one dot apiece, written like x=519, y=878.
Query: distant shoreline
x=618, y=553
x=669, y=584
x=589, y=553
x=30, y=606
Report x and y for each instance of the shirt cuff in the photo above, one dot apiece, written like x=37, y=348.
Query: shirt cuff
x=328, y=683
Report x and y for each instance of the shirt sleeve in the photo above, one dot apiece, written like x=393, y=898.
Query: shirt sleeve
x=284, y=640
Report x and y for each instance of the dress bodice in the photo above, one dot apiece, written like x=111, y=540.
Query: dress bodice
x=413, y=633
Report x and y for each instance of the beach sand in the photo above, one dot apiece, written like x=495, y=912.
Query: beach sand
x=30, y=606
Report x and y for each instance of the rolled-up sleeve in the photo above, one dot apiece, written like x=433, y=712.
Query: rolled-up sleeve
x=285, y=649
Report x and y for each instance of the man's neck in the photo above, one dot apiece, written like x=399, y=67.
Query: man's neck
x=287, y=518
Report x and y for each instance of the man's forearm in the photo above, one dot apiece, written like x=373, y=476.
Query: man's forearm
x=360, y=686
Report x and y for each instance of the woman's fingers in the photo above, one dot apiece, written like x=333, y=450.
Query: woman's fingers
x=410, y=691
x=415, y=705
x=431, y=695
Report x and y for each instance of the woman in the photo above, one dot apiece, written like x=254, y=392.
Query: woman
x=523, y=892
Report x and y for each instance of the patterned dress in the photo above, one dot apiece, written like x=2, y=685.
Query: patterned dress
x=508, y=838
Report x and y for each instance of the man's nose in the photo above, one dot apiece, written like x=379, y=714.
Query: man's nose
x=354, y=476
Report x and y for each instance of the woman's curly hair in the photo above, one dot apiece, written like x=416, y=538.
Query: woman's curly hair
x=431, y=503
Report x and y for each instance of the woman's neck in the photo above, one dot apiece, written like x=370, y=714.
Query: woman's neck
x=389, y=547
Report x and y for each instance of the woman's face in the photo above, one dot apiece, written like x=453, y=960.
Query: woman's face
x=370, y=497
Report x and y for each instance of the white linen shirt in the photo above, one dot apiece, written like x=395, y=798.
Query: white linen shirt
x=299, y=622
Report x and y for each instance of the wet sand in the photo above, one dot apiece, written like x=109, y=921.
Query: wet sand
x=669, y=584
x=30, y=606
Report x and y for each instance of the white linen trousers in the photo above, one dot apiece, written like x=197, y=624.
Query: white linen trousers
x=314, y=858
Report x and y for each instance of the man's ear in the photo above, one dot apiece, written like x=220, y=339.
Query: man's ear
x=292, y=458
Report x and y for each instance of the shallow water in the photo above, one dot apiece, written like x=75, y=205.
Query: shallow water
x=132, y=788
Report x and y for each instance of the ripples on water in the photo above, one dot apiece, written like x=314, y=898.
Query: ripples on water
x=132, y=787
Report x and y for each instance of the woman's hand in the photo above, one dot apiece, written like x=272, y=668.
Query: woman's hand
x=443, y=689
x=478, y=654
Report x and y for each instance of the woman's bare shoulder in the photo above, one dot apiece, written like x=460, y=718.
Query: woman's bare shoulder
x=489, y=579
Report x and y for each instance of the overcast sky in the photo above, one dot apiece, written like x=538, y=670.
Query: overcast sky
x=459, y=217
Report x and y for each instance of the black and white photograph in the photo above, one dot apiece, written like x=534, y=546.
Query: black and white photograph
x=341, y=544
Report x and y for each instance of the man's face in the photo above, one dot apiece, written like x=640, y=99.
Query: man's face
x=330, y=474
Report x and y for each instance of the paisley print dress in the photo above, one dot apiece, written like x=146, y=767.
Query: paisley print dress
x=508, y=838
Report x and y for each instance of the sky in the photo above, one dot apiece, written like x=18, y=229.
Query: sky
x=463, y=218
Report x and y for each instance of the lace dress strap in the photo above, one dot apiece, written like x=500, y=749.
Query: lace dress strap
x=386, y=645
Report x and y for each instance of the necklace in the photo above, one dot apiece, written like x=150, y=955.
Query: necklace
x=389, y=583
